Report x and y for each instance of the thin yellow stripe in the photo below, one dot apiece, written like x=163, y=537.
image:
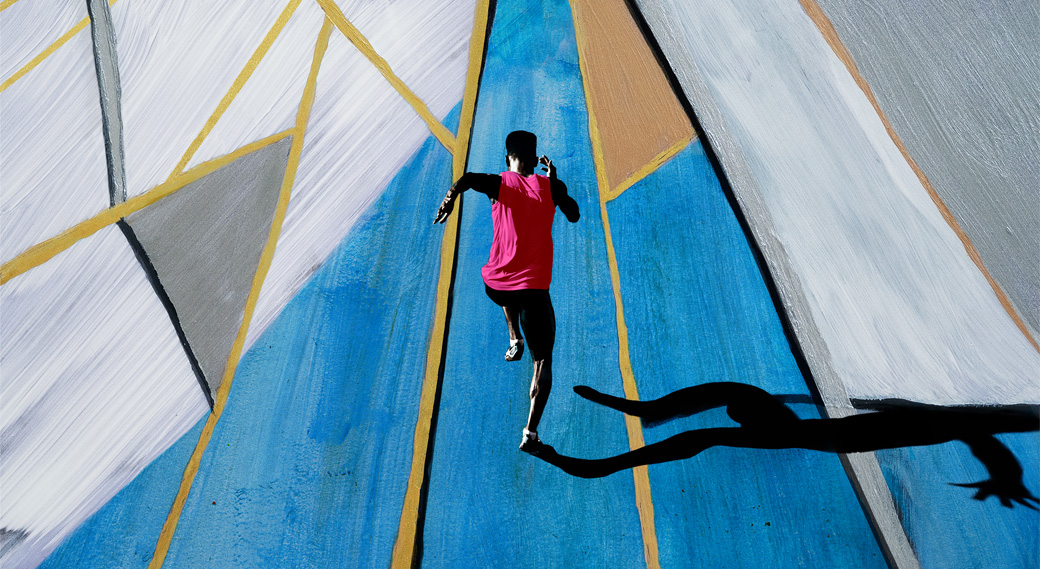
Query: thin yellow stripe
x=650, y=167
x=303, y=114
x=640, y=474
x=46, y=250
x=6, y=4
x=439, y=130
x=408, y=527
x=477, y=40
x=238, y=83
x=46, y=52
x=823, y=23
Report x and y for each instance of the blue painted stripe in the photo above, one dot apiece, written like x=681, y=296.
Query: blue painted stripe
x=949, y=529
x=698, y=311
x=122, y=534
x=489, y=504
x=309, y=462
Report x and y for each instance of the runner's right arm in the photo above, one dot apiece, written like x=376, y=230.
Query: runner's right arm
x=487, y=184
x=566, y=203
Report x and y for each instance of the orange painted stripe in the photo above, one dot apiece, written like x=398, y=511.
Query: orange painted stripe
x=826, y=28
x=403, y=556
x=650, y=167
x=303, y=114
x=639, y=116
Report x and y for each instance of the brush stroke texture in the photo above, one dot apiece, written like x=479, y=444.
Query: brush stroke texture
x=900, y=307
x=96, y=385
x=52, y=150
x=309, y=462
x=960, y=83
x=30, y=27
x=362, y=132
x=698, y=311
x=205, y=243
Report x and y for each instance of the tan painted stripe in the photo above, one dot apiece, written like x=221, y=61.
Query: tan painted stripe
x=47, y=51
x=6, y=4
x=46, y=250
x=365, y=47
x=238, y=83
x=639, y=116
x=823, y=23
x=650, y=167
x=403, y=555
x=640, y=474
x=169, y=527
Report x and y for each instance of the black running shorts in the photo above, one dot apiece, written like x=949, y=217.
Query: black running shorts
x=537, y=318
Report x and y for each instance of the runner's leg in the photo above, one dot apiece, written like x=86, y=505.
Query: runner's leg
x=513, y=322
x=516, y=339
x=510, y=302
x=539, y=323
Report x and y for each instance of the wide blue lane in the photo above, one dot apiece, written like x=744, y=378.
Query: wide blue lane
x=698, y=311
x=489, y=504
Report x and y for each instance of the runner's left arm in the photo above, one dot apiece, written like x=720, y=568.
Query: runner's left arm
x=487, y=184
x=567, y=205
x=563, y=200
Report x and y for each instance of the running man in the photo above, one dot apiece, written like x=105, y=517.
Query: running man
x=519, y=269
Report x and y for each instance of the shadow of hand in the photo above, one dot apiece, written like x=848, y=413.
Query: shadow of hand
x=1008, y=492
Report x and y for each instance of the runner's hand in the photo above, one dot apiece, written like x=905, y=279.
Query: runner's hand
x=548, y=166
x=446, y=206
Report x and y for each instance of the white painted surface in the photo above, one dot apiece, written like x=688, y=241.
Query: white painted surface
x=901, y=309
x=361, y=132
x=28, y=28
x=95, y=382
x=959, y=81
x=269, y=101
x=176, y=62
x=52, y=153
x=94, y=385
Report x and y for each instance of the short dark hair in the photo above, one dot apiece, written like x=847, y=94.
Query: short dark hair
x=522, y=145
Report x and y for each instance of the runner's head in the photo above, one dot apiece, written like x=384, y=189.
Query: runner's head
x=523, y=147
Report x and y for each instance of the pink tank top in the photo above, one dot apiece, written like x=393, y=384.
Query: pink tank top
x=522, y=249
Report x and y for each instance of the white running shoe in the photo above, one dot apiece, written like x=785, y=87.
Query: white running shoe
x=530, y=443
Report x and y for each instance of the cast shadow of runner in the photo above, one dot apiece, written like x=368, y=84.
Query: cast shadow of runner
x=766, y=423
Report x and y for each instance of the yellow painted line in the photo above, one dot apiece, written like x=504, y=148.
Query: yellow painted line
x=477, y=40
x=650, y=167
x=640, y=474
x=46, y=52
x=44, y=251
x=238, y=83
x=302, y=115
x=408, y=527
x=336, y=15
x=6, y=4
x=823, y=23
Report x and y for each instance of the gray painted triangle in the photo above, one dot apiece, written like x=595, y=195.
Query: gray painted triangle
x=205, y=243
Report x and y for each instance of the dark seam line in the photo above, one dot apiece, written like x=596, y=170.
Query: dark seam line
x=767, y=276
x=424, y=490
x=727, y=190
x=106, y=58
x=171, y=310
